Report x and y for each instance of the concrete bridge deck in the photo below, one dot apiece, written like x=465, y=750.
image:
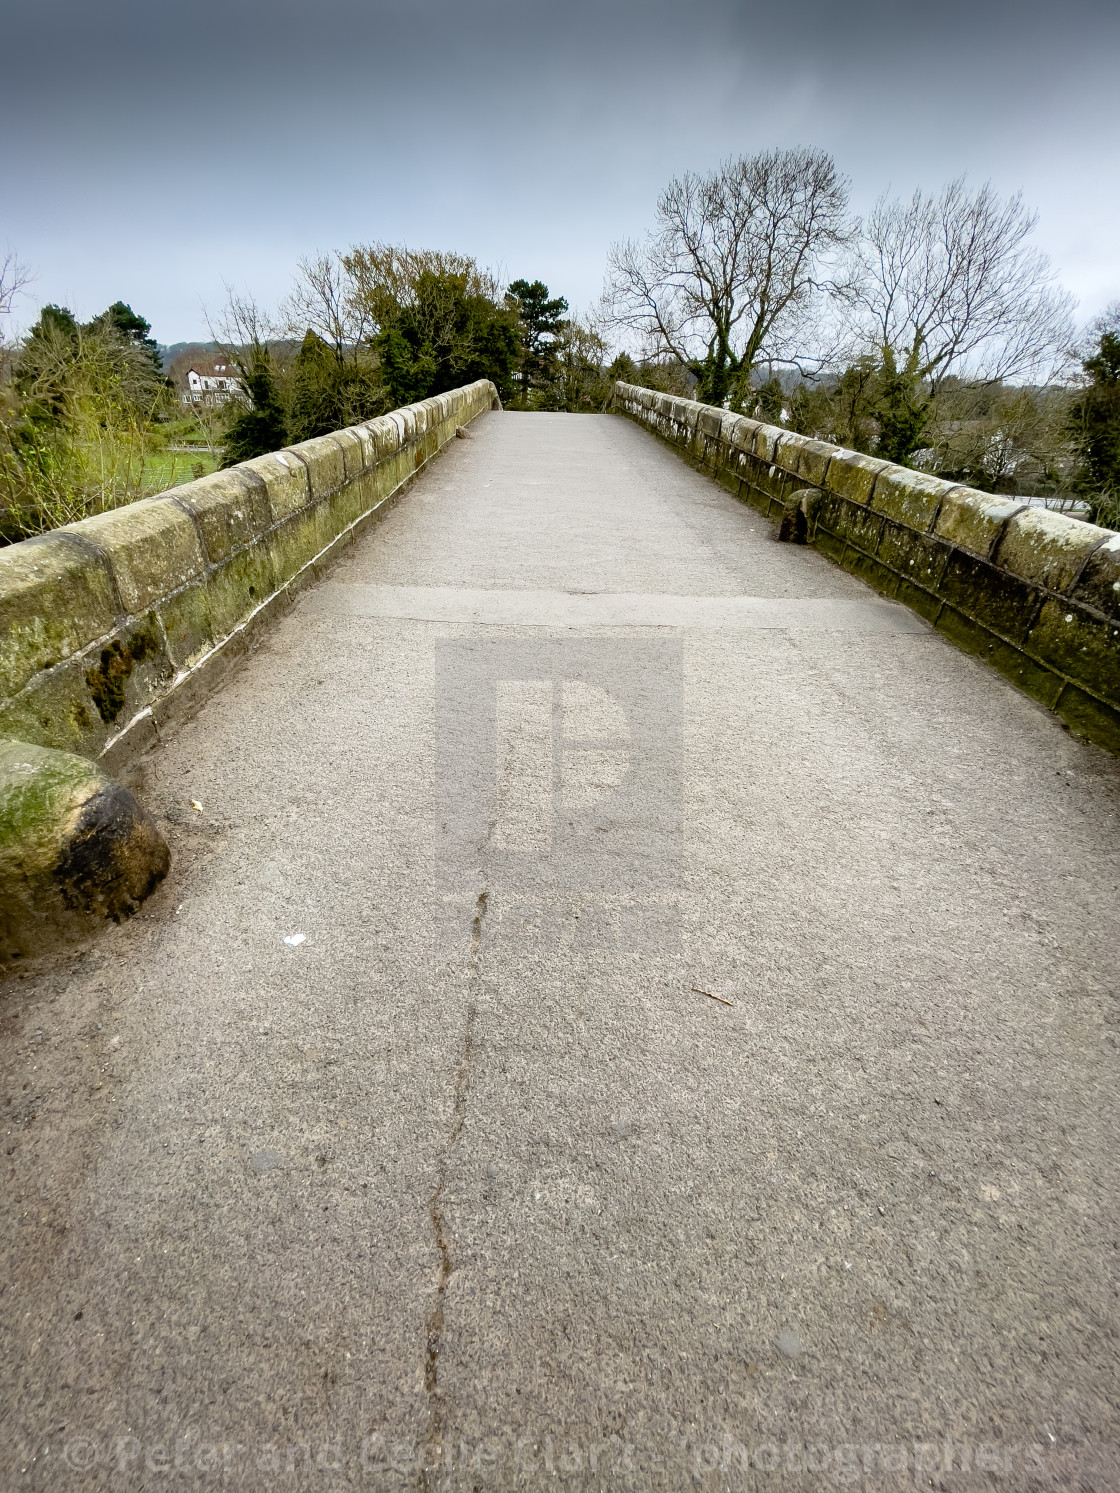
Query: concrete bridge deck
x=471, y=1188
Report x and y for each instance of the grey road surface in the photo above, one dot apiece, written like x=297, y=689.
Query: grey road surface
x=630, y=1009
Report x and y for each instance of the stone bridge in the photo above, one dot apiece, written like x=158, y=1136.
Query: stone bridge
x=632, y=1004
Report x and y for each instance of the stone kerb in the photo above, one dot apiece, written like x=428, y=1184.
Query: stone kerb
x=113, y=628
x=1032, y=592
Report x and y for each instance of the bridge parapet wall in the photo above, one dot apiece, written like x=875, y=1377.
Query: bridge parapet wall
x=114, y=628
x=1032, y=592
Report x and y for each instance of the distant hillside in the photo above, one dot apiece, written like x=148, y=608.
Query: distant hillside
x=167, y=354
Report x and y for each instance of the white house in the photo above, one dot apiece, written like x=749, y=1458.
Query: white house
x=212, y=383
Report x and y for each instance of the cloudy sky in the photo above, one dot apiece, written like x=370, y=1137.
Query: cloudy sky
x=152, y=152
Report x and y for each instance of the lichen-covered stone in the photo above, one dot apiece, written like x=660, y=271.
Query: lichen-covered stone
x=787, y=451
x=326, y=465
x=293, y=543
x=743, y=432
x=231, y=508
x=185, y=619
x=1098, y=585
x=911, y=498
x=54, y=599
x=189, y=569
x=766, y=442
x=364, y=436
x=286, y=481
x=813, y=460
x=237, y=588
x=852, y=475
x=152, y=546
x=974, y=520
x=58, y=710
x=73, y=845
x=1083, y=647
x=353, y=453
x=1047, y=547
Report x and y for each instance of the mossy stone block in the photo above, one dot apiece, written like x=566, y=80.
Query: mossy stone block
x=1094, y=719
x=54, y=599
x=813, y=460
x=787, y=451
x=72, y=843
x=1098, y=586
x=743, y=432
x=286, y=481
x=974, y=520
x=851, y=522
x=58, y=712
x=917, y=557
x=1004, y=604
x=237, y=588
x=1048, y=547
x=364, y=436
x=852, y=475
x=231, y=508
x=185, y=617
x=353, y=453
x=326, y=465
x=1083, y=647
x=152, y=546
x=910, y=498
x=294, y=543
x=766, y=440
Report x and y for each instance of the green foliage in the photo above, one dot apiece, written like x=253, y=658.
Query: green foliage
x=901, y=410
x=769, y=401
x=130, y=327
x=665, y=375
x=1095, y=428
x=541, y=323
x=77, y=422
x=260, y=426
x=443, y=336
x=330, y=390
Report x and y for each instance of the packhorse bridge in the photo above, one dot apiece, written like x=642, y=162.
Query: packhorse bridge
x=517, y=979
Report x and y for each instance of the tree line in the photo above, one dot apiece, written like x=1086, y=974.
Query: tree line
x=89, y=420
x=932, y=333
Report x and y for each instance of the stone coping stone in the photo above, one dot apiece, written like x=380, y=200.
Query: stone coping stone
x=152, y=546
x=55, y=598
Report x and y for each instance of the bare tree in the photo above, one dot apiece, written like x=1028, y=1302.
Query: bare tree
x=725, y=279
x=324, y=301
x=386, y=279
x=243, y=331
x=949, y=285
x=14, y=276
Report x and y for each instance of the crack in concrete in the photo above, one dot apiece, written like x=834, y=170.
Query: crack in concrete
x=431, y=1451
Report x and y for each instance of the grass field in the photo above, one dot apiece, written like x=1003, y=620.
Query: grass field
x=164, y=469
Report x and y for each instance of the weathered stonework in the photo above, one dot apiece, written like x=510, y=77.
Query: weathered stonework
x=1035, y=594
x=75, y=847
x=115, y=628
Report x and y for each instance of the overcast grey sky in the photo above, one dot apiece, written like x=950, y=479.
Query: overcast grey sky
x=151, y=152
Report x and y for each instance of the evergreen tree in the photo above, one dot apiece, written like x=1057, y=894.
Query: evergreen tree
x=259, y=427
x=446, y=335
x=1095, y=427
x=542, y=322
x=128, y=325
x=901, y=409
x=770, y=401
